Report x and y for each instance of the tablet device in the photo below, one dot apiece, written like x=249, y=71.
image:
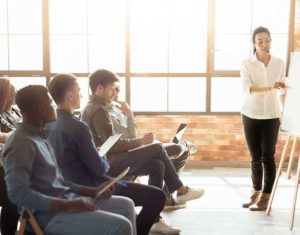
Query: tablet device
x=179, y=133
x=113, y=181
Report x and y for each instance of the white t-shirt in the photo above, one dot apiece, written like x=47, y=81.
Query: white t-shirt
x=254, y=73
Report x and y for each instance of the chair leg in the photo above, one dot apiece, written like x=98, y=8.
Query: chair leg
x=22, y=227
x=27, y=216
x=36, y=227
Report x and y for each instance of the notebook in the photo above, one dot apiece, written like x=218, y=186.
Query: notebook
x=179, y=133
x=113, y=181
x=106, y=146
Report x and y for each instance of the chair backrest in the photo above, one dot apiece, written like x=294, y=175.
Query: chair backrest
x=27, y=216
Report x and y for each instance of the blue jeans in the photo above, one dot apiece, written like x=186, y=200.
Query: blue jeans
x=115, y=216
x=151, y=160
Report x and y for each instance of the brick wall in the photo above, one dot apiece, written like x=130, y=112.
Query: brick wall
x=219, y=138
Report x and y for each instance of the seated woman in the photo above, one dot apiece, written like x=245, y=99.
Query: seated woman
x=9, y=116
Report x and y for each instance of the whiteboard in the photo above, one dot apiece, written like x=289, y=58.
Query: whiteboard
x=291, y=110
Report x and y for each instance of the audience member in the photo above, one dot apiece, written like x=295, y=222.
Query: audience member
x=151, y=160
x=78, y=158
x=34, y=181
x=9, y=116
x=124, y=123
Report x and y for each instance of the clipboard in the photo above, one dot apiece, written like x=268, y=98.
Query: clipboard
x=106, y=146
x=113, y=181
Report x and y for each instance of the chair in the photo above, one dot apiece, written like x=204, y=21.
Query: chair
x=27, y=216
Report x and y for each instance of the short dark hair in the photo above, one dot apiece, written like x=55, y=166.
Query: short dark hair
x=59, y=85
x=29, y=97
x=102, y=77
x=259, y=29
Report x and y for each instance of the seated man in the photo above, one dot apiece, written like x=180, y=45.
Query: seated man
x=124, y=123
x=78, y=158
x=152, y=160
x=34, y=181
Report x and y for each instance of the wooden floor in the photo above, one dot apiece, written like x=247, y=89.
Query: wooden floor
x=219, y=211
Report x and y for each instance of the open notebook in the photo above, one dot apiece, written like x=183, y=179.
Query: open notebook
x=106, y=146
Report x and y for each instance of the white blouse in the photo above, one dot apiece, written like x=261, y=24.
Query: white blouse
x=254, y=73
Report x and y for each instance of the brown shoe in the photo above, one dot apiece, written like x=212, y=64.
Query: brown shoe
x=255, y=194
x=262, y=203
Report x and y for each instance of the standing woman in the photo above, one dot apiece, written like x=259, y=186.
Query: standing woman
x=9, y=117
x=263, y=80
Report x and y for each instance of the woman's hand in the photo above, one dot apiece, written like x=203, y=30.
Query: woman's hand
x=279, y=85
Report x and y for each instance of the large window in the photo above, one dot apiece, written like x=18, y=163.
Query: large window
x=21, y=35
x=172, y=56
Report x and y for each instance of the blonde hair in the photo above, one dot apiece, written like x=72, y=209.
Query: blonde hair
x=5, y=93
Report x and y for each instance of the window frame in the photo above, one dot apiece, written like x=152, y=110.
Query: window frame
x=208, y=75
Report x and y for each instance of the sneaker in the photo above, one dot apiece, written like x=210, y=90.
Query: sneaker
x=161, y=227
x=191, y=194
x=173, y=204
x=192, y=148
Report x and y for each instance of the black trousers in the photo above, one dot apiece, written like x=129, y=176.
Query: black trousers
x=151, y=199
x=261, y=137
x=9, y=212
x=178, y=154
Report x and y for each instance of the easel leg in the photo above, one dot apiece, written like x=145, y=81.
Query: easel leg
x=291, y=160
x=295, y=196
x=283, y=155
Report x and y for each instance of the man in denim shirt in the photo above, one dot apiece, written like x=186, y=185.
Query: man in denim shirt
x=78, y=158
x=33, y=180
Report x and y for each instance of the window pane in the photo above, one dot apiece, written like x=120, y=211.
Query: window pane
x=107, y=52
x=149, y=54
x=84, y=90
x=187, y=94
x=231, y=50
x=4, y=53
x=188, y=17
x=226, y=94
x=20, y=82
x=68, y=54
x=279, y=45
x=122, y=94
x=3, y=17
x=233, y=16
x=68, y=16
x=142, y=94
x=106, y=17
x=25, y=52
x=187, y=54
x=25, y=16
x=276, y=18
x=148, y=17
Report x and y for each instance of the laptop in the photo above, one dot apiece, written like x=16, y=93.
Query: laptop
x=180, y=131
x=106, y=146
